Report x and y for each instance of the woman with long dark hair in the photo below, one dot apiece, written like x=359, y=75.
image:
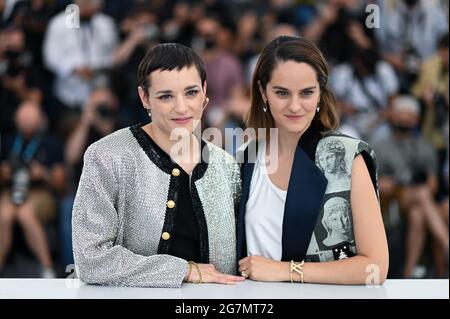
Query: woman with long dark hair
x=313, y=214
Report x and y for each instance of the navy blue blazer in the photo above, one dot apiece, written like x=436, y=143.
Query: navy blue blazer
x=306, y=189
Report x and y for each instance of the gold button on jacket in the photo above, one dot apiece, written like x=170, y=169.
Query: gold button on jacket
x=176, y=172
x=171, y=204
x=165, y=236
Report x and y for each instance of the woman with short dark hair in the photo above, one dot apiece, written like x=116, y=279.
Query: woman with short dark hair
x=144, y=215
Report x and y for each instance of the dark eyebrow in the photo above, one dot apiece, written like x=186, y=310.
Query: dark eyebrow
x=191, y=87
x=164, y=92
x=279, y=88
x=309, y=88
x=170, y=92
x=282, y=88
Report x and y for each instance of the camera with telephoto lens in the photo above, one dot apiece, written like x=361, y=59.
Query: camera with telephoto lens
x=20, y=181
x=419, y=177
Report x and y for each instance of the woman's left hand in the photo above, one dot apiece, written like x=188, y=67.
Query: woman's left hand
x=263, y=269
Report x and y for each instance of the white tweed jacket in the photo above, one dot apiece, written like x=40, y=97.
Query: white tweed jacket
x=121, y=215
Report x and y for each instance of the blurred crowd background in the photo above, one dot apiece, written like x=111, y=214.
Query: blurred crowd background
x=63, y=88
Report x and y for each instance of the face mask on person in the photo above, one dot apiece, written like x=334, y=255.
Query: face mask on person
x=402, y=129
x=411, y=3
x=12, y=54
x=86, y=18
x=210, y=43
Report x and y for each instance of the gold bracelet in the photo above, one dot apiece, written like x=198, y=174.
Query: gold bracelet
x=189, y=272
x=200, y=280
x=298, y=268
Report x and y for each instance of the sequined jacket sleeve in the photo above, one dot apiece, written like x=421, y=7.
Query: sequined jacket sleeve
x=99, y=258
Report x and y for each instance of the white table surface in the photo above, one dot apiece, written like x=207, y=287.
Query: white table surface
x=75, y=289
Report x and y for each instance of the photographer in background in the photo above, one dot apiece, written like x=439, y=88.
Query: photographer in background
x=223, y=69
x=19, y=78
x=407, y=169
x=99, y=119
x=32, y=170
x=78, y=57
x=139, y=32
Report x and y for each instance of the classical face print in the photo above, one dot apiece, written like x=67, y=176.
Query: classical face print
x=328, y=162
x=332, y=157
x=333, y=237
x=336, y=221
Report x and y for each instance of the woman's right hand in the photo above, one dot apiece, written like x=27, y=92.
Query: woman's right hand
x=209, y=274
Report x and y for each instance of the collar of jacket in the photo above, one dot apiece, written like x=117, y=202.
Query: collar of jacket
x=307, y=185
x=162, y=160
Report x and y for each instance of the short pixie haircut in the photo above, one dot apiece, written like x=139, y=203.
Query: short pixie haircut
x=168, y=57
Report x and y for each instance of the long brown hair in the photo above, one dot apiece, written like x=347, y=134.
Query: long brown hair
x=289, y=48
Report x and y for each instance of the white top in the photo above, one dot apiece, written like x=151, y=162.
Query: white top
x=264, y=213
x=249, y=289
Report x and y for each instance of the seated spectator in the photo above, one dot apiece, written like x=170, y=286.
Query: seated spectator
x=407, y=168
x=432, y=89
x=441, y=269
x=31, y=171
